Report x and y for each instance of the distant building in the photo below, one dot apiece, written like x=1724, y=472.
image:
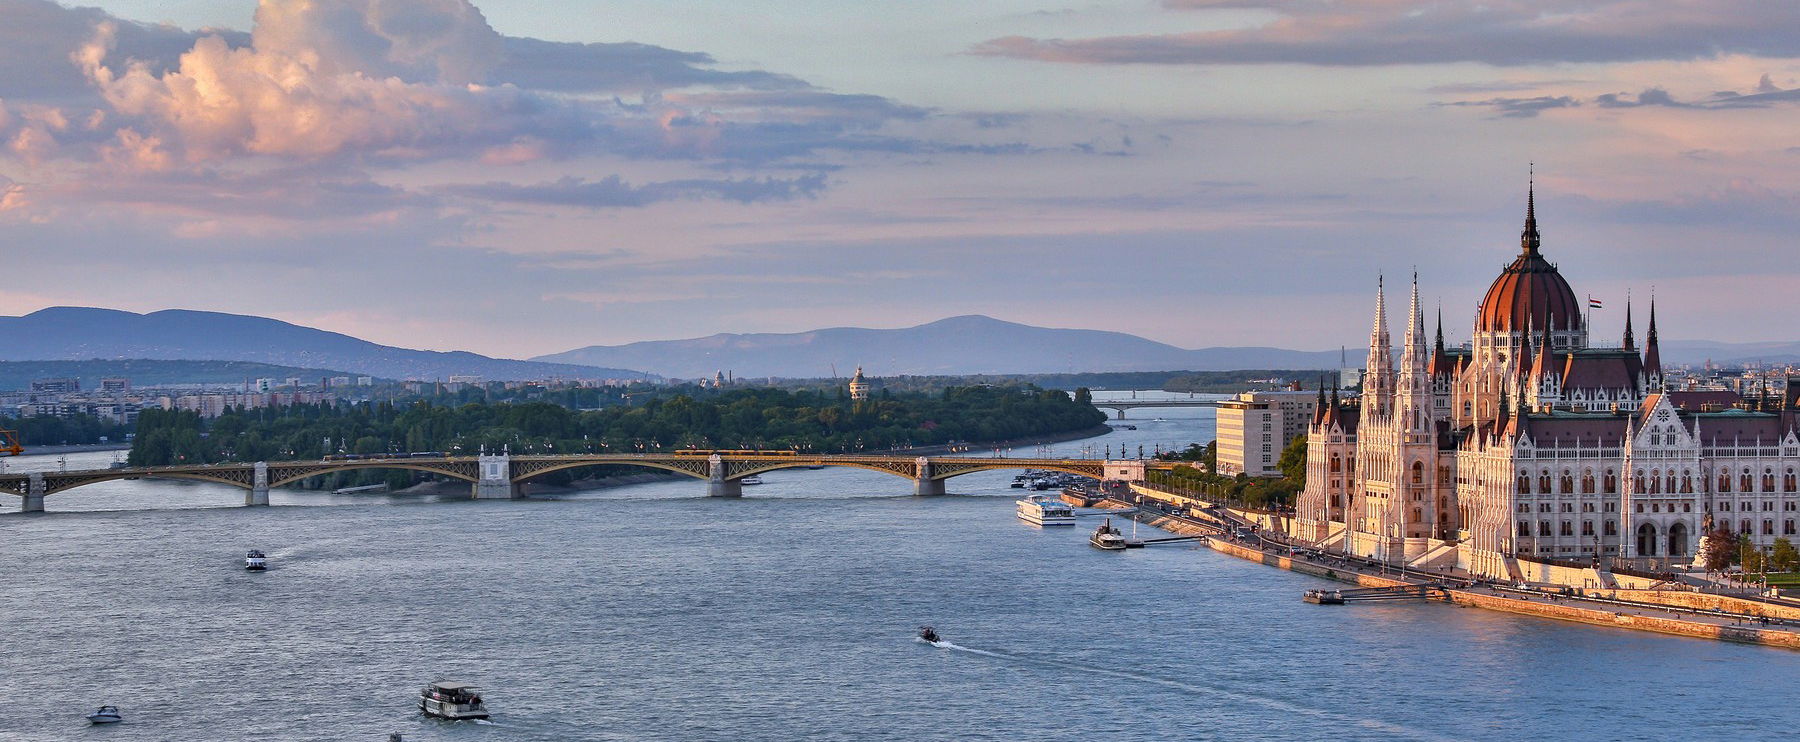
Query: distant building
x=339, y=381
x=264, y=385
x=859, y=386
x=1253, y=427
x=467, y=379
x=365, y=381
x=56, y=386
x=115, y=385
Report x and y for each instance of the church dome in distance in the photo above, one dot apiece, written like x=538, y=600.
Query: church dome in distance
x=1530, y=293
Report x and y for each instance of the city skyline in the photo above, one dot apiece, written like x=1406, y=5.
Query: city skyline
x=643, y=171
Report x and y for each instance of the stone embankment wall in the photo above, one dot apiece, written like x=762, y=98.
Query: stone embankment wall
x=1622, y=617
x=1703, y=601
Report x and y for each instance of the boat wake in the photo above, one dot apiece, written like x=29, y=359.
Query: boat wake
x=1377, y=725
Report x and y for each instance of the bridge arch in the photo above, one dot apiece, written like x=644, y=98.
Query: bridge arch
x=285, y=475
x=521, y=477
x=54, y=484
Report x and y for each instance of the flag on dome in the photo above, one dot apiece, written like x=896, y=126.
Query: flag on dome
x=1594, y=303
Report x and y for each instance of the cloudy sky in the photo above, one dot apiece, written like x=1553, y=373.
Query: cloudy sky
x=527, y=176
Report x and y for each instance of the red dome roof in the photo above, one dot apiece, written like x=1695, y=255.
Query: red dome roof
x=1530, y=293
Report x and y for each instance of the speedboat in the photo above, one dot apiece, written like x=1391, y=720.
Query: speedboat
x=450, y=700
x=1043, y=511
x=1108, y=538
x=752, y=479
x=256, y=561
x=105, y=715
x=929, y=634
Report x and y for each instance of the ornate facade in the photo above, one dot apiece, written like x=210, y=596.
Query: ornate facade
x=1530, y=442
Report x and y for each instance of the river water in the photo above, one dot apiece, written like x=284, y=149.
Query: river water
x=650, y=612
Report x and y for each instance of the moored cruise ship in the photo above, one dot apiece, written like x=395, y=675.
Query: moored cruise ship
x=1043, y=511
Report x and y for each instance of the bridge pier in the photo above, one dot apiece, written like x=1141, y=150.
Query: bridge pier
x=34, y=495
x=259, y=486
x=1121, y=412
x=923, y=484
x=716, y=483
x=494, y=478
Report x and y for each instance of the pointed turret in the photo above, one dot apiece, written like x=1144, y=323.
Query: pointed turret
x=1630, y=343
x=1378, y=379
x=1528, y=239
x=1440, y=357
x=1652, y=356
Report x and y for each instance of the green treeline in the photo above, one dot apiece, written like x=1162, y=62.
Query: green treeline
x=1257, y=493
x=48, y=430
x=759, y=418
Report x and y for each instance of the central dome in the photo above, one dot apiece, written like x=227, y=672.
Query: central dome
x=1530, y=293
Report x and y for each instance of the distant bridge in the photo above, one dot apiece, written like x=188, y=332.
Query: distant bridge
x=500, y=476
x=1122, y=405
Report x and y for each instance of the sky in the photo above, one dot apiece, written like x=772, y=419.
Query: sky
x=526, y=177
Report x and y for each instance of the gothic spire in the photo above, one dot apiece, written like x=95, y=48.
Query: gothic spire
x=1652, y=355
x=1528, y=239
x=1630, y=343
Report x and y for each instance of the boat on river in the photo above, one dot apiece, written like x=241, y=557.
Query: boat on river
x=749, y=480
x=1108, y=538
x=105, y=715
x=451, y=700
x=926, y=633
x=1043, y=511
x=256, y=561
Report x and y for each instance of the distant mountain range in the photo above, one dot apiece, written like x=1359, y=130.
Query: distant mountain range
x=82, y=333
x=971, y=344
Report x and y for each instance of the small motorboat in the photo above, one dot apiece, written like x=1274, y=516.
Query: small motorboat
x=749, y=480
x=929, y=634
x=105, y=715
x=450, y=700
x=256, y=561
x=1108, y=538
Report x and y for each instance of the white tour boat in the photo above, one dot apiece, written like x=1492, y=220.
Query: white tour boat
x=106, y=715
x=1108, y=538
x=449, y=700
x=1043, y=511
x=256, y=561
x=750, y=480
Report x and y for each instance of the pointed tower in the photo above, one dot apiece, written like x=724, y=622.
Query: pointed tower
x=1546, y=373
x=1653, y=373
x=1443, y=373
x=1630, y=343
x=1412, y=399
x=1378, y=379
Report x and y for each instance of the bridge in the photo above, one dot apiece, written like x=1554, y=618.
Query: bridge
x=500, y=476
x=1121, y=405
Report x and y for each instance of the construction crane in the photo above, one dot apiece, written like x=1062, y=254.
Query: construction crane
x=9, y=443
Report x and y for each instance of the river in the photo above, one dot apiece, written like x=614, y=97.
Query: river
x=651, y=612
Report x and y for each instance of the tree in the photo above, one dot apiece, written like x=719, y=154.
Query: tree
x=1293, y=462
x=1083, y=396
x=1784, y=556
x=1721, y=549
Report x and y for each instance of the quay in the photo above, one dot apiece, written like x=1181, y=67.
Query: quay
x=1743, y=620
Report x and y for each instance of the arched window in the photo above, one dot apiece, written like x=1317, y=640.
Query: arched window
x=1568, y=482
x=1687, y=482
x=1655, y=482
x=1788, y=482
x=1587, y=481
x=1525, y=529
x=1745, y=483
x=1418, y=472
x=1337, y=464
x=1768, y=480
x=1611, y=482
x=1544, y=527
x=1724, y=481
x=1637, y=482
x=1524, y=483
x=1544, y=481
